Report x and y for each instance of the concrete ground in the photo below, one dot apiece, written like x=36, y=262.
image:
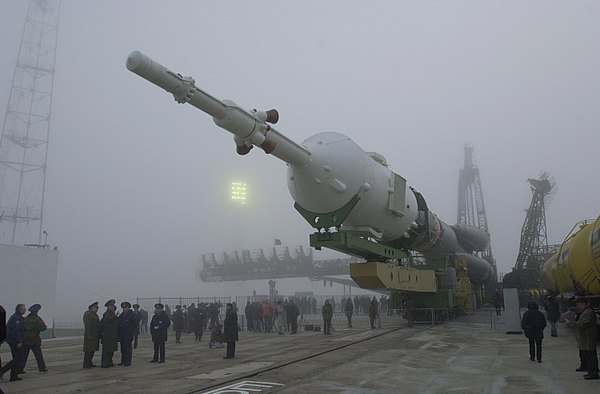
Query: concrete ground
x=471, y=354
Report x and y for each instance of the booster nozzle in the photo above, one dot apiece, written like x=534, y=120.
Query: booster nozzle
x=270, y=116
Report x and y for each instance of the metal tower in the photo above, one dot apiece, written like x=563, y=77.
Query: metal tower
x=471, y=209
x=533, y=249
x=25, y=132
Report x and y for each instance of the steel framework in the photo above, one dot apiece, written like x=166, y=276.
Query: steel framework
x=471, y=208
x=25, y=131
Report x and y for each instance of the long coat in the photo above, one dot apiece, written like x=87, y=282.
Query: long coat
x=230, y=326
x=91, y=334
x=15, y=329
x=533, y=323
x=586, y=329
x=33, y=326
x=327, y=311
x=552, y=311
x=177, y=319
x=158, y=327
x=128, y=325
x=110, y=331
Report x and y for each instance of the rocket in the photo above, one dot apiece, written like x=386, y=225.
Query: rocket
x=328, y=172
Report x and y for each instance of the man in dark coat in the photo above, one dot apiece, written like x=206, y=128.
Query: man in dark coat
x=32, y=340
x=587, y=338
x=327, y=313
x=3, y=334
x=109, y=334
x=158, y=328
x=91, y=334
x=127, y=325
x=348, y=311
x=292, y=316
x=497, y=301
x=138, y=316
x=200, y=321
x=178, y=323
x=533, y=324
x=230, y=330
x=15, y=332
x=552, y=314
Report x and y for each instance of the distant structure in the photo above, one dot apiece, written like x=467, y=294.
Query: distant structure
x=25, y=131
x=533, y=247
x=273, y=264
x=471, y=209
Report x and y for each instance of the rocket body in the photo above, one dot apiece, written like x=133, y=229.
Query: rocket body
x=327, y=171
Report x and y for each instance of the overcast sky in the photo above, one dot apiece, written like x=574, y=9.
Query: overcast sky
x=137, y=185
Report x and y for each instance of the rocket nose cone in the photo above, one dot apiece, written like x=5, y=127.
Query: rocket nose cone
x=135, y=60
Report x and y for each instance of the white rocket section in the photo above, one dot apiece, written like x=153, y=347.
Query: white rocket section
x=338, y=170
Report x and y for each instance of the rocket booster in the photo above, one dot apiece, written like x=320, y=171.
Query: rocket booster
x=327, y=171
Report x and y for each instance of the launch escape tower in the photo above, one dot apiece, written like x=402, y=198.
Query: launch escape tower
x=471, y=209
x=25, y=131
x=533, y=247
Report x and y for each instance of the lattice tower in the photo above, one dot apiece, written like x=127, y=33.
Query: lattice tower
x=471, y=208
x=25, y=131
x=533, y=248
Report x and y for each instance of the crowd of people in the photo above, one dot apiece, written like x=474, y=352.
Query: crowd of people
x=122, y=328
x=533, y=323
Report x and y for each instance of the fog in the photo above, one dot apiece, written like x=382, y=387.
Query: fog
x=137, y=185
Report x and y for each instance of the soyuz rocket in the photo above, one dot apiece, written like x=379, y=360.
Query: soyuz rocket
x=328, y=171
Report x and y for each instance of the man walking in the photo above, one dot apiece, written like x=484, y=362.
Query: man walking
x=15, y=331
x=91, y=334
x=32, y=340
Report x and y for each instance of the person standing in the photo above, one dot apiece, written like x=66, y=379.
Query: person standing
x=292, y=316
x=159, y=326
x=349, y=310
x=91, y=334
x=178, y=323
x=230, y=330
x=138, y=317
x=497, y=301
x=3, y=335
x=32, y=340
x=327, y=313
x=15, y=331
x=533, y=323
x=552, y=314
x=109, y=334
x=586, y=335
x=372, y=312
x=407, y=305
x=281, y=317
x=127, y=326
x=145, y=317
